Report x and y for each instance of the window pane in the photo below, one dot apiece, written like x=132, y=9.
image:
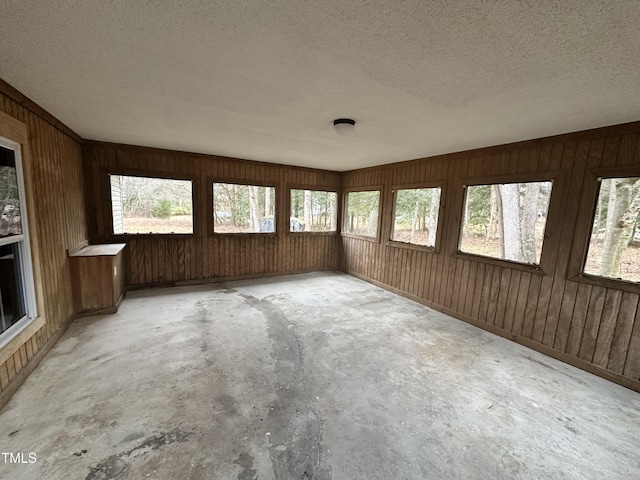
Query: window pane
x=416, y=216
x=12, y=302
x=362, y=213
x=614, y=246
x=243, y=208
x=10, y=219
x=313, y=211
x=506, y=221
x=151, y=205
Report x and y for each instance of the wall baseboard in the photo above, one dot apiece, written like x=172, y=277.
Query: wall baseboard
x=563, y=357
x=204, y=281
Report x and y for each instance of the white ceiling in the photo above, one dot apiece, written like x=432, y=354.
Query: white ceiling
x=263, y=80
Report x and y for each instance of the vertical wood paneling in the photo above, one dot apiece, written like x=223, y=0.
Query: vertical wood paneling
x=622, y=332
x=632, y=362
x=521, y=303
x=578, y=319
x=59, y=214
x=201, y=256
x=587, y=322
x=604, y=339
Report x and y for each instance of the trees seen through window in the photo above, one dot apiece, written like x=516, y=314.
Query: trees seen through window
x=614, y=245
x=416, y=216
x=506, y=221
x=151, y=205
x=362, y=213
x=313, y=211
x=243, y=208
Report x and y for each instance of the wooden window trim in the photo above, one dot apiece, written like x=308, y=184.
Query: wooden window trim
x=525, y=267
x=255, y=183
x=584, y=226
x=345, y=206
x=392, y=208
x=513, y=178
x=318, y=188
x=606, y=282
x=550, y=237
x=132, y=172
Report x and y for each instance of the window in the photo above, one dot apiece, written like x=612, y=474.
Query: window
x=506, y=220
x=415, y=213
x=313, y=211
x=243, y=208
x=614, y=245
x=151, y=205
x=362, y=213
x=17, y=295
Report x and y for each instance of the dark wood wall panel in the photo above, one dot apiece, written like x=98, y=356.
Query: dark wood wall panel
x=591, y=325
x=169, y=259
x=59, y=214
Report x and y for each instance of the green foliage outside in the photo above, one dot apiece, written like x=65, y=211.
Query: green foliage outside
x=478, y=209
x=145, y=197
x=362, y=212
x=162, y=209
x=180, y=210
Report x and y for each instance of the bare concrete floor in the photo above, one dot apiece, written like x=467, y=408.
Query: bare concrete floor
x=312, y=376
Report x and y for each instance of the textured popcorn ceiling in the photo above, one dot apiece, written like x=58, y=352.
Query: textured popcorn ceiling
x=263, y=80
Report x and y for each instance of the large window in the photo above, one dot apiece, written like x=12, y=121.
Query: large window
x=506, y=221
x=243, y=208
x=614, y=246
x=313, y=211
x=415, y=214
x=362, y=213
x=17, y=298
x=151, y=205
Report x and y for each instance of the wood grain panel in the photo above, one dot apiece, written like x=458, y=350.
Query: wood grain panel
x=622, y=332
x=552, y=309
x=204, y=256
x=54, y=180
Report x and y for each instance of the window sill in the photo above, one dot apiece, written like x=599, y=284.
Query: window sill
x=312, y=234
x=525, y=267
x=411, y=246
x=618, y=284
x=125, y=236
x=15, y=339
x=361, y=237
x=244, y=234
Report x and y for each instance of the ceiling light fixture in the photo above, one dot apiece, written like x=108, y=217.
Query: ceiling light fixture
x=343, y=126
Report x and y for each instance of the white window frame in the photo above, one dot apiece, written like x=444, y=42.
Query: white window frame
x=24, y=246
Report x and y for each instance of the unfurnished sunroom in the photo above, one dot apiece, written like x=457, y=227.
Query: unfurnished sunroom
x=338, y=240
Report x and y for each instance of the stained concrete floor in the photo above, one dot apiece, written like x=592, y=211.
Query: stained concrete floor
x=317, y=376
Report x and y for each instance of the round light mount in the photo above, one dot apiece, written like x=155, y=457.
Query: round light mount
x=343, y=126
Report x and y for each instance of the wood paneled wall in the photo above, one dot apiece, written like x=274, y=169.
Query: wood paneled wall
x=593, y=325
x=161, y=259
x=59, y=213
